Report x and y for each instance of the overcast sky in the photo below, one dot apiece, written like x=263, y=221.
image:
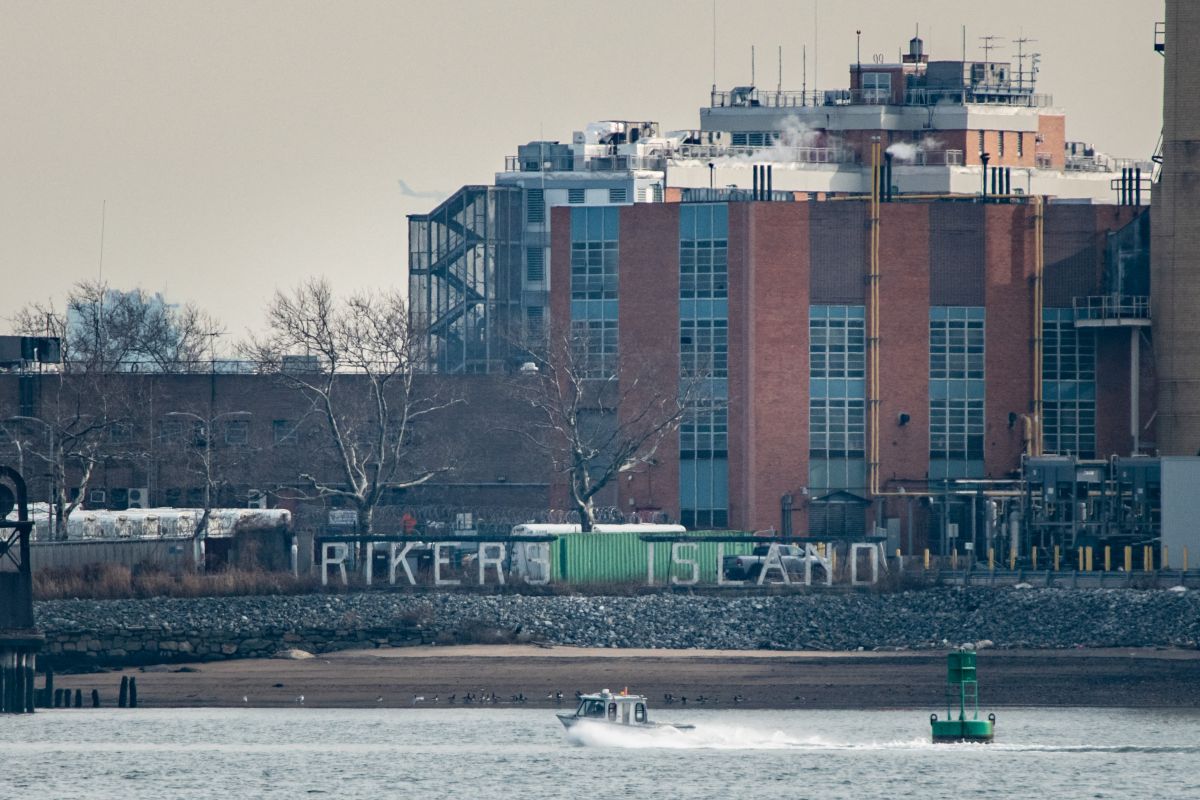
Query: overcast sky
x=241, y=146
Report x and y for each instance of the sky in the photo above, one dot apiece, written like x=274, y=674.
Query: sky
x=216, y=151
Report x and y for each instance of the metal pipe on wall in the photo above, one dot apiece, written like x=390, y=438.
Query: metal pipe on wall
x=1039, y=225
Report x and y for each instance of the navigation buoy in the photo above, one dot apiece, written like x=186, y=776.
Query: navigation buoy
x=962, y=690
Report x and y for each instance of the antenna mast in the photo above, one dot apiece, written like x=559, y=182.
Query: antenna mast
x=1021, y=63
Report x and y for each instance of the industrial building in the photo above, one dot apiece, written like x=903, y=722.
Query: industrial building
x=478, y=277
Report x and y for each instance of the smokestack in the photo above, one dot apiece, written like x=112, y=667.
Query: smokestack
x=754, y=194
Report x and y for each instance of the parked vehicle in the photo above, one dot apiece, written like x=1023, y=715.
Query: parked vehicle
x=793, y=557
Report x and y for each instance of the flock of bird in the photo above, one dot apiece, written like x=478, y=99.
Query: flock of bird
x=491, y=698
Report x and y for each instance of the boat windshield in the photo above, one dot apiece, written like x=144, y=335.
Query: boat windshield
x=590, y=708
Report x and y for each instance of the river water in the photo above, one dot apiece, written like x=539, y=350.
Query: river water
x=500, y=753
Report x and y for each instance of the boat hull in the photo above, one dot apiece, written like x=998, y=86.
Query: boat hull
x=570, y=720
x=949, y=731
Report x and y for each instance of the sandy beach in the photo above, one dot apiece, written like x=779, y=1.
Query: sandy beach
x=443, y=676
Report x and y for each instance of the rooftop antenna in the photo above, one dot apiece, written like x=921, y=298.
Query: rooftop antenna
x=988, y=46
x=964, y=44
x=779, y=85
x=804, y=75
x=1021, y=42
x=752, y=83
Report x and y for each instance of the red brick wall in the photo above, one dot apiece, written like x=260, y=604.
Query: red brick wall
x=740, y=374
x=904, y=357
x=1052, y=129
x=1008, y=329
x=773, y=300
x=648, y=340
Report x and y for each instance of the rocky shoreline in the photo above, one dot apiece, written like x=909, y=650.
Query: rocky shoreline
x=113, y=633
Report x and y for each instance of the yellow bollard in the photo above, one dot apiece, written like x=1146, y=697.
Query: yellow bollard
x=954, y=559
x=1087, y=552
x=1057, y=557
x=1033, y=558
x=1147, y=558
x=926, y=558
x=992, y=559
x=1128, y=558
x=1165, y=563
x=1012, y=560
x=1079, y=552
x=1107, y=558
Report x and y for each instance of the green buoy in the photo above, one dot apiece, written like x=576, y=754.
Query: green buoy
x=962, y=690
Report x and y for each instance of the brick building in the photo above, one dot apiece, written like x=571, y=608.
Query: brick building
x=263, y=435
x=770, y=304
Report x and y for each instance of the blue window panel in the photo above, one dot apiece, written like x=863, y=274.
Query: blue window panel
x=1087, y=390
x=611, y=222
x=693, y=308
x=939, y=312
x=975, y=390
x=578, y=225
x=704, y=483
x=942, y=469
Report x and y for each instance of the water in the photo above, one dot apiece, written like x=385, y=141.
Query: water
x=462, y=753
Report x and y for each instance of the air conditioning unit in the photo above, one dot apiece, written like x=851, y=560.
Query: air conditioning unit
x=139, y=497
x=97, y=498
x=256, y=498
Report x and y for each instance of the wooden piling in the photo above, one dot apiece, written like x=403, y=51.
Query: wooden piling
x=79, y=698
x=133, y=692
x=95, y=698
x=123, y=694
x=48, y=692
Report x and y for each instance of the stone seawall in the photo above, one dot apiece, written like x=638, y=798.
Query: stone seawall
x=124, y=632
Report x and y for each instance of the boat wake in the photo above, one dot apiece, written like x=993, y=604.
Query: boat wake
x=736, y=737
x=702, y=737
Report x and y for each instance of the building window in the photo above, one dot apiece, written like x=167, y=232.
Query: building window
x=618, y=195
x=981, y=144
x=594, y=250
x=283, y=432
x=535, y=264
x=704, y=356
x=956, y=391
x=1000, y=143
x=575, y=197
x=594, y=342
x=703, y=348
x=837, y=397
x=535, y=205
x=594, y=254
x=1068, y=385
x=237, y=431
x=534, y=319
x=877, y=87
x=1020, y=144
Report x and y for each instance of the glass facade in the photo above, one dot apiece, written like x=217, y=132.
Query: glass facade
x=837, y=398
x=594, y=248
x=1068, y=385
x=704, y=357
x=956, y=392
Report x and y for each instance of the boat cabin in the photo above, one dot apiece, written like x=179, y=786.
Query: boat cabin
x=621, y=709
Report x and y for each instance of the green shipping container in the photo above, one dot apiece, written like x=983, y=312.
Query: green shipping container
x=583, y=558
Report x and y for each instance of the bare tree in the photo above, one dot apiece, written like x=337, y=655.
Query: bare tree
x=106, y=330
x=592, y=420
x=356, y=362
x=212, y=461
x=82, y=419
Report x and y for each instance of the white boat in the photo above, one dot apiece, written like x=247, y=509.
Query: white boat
x=606, y=708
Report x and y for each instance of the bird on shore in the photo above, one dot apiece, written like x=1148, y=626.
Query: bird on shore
x=450, y=699
x=300, y=699
x=379, y=699
x=245, y=699
x=418, y=698
x=558, y=697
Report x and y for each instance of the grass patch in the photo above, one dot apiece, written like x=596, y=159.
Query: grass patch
x=118, y=581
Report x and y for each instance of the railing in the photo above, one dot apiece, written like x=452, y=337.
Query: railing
x=1102, y=163
x=777, y=152
x=1111, y=307
x=606, y=163
x=754, y=98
